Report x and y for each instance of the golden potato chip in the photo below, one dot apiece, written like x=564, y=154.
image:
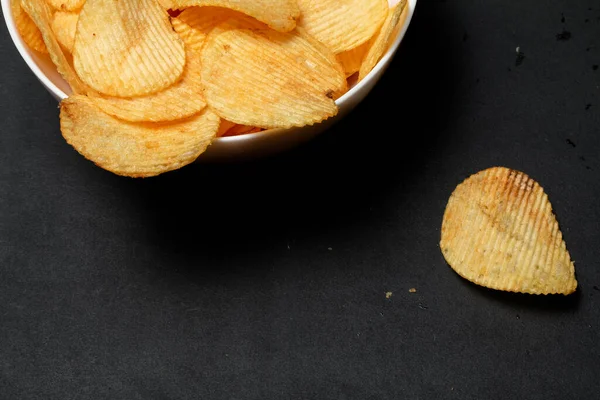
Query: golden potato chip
x=134, y=149
x=28, y=31
x=64, y=26
x=206, y=18
x=41, y=13
x=193, y=24
x=384, y=39
x=66, y=5
x=499, y=231
x=127, y=47
x=280, y=15
x=352, y=59
x=237, y=130
x=342, y=24
x=180, y=100
x=224, y=127
x=269, y=79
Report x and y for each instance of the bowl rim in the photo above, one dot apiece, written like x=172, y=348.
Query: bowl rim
x=23, y=50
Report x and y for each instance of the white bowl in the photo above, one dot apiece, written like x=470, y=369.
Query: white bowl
x=235, y=147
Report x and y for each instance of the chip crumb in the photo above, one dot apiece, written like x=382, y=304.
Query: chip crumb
x=329, y=248
x=388, y=295
x=412, y=290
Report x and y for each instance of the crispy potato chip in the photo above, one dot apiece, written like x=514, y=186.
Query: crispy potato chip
x=280, y=15
x=224, y=127
x=180, y=100
x=127, y=47
x=342, y=24
x=66, y=5
x=237, y=130
x=27, y=29
x=499, y=232
x=64, y=26
x=352, y=59
x=270, y=79
x=194, y=24
x=134, y=149
x=41, y=13
x=386, y=36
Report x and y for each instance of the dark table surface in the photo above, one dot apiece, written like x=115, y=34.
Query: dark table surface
x=269, y=279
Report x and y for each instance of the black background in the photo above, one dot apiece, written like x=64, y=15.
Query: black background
x=268, y=279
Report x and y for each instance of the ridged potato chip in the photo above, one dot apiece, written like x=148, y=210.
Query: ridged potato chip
x=280, y=15
x=237, y=130
x=27, y=28
x=134, y=149
x=224, y=127
x=66, y=5
x=194, y=23
x=41, y=13
x=64, y=26
x=384, y=38
x=127, y=47
x=342, y=24
x=499, y=231
x=180, y=100
x=270, y=79
x=352, y=59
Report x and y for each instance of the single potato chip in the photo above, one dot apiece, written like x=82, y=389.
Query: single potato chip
x=41, y=13
x=342, y=24
x=66, y=5
x=127, y=47
x=280, y=15
x=499, y=231
x=352, y=59
x=384, y=39
x=270, y=79
x=134, y=149
x=180, y=100
x=64, y=26
x=27, y=28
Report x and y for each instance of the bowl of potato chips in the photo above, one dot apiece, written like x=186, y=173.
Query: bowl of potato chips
x=149, y=86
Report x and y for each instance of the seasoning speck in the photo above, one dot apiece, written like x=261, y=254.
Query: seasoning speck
x=563, y=36
x=520, y=57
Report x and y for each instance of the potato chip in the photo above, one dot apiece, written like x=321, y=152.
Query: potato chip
x=134, y=149
x=66, y=5
x=180, y=100
x=64, y=26
x=127, y=47
x=270, y=79
x=193, y=24
x=280, y=15
x=237, y=130
x=352, y=59
x=41, y=13
x=28, y=31
x=224, y=127
x=342, y=24
x=499, y=232
x=385, y=37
